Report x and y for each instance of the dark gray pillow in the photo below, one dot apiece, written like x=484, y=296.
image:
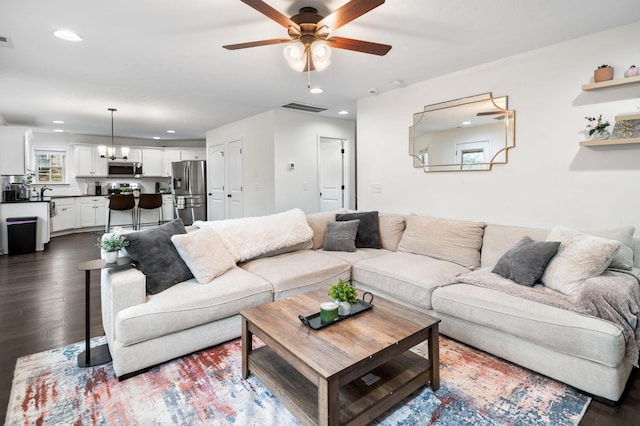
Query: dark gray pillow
x=525, y=262
x=341, y=236
x=368, y=231
x=154, y=254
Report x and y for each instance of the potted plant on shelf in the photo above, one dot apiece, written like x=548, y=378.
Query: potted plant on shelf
x=597, y=128
x=603, y=73
x=112, y=245
x=345, y=295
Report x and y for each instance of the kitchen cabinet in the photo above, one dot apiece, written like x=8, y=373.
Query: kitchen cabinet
x=193, y=154
x=169, y=156
x=65, y=217
x=135, y=155
x=168, y=212
x=91, y=211
x=88, y=162
x=151, y=162
x=16, y=153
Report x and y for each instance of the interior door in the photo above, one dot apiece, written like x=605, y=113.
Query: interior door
x=235, y=173
x=331, y=173
x=217, y=172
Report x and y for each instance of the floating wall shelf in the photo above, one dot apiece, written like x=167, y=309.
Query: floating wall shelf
x=608, y=142
x=611, y=83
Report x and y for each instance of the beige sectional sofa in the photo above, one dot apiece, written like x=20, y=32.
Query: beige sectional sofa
x=422, y=263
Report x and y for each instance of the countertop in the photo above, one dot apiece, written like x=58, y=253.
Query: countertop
x=30, y=200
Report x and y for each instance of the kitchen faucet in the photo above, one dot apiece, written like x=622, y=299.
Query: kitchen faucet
x=44, y=188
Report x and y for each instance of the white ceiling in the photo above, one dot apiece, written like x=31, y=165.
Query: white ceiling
x=161, y=64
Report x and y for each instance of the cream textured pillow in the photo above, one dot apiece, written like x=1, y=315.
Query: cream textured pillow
x=579, y=257
x=318, y=223
x=457, y=241
x=204, y=254
x=391, y=230
x=624, y=258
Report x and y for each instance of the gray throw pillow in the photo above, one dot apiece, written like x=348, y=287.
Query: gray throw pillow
x=154, y=255
x=525, y=262
x=341, y=236
x=369, y=230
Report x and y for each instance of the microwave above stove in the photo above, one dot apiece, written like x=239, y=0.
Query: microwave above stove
x=124, y=169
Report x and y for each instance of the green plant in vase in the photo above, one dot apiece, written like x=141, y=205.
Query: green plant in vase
x=345, y=295
x=111, y=245
x=597, y=127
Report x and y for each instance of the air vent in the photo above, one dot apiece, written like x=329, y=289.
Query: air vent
x=6, y=42
x=303, y=107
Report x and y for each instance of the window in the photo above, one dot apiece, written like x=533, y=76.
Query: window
x=50, y=166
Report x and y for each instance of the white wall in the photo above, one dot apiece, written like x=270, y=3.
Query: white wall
x=296, y=140
x=549, y=179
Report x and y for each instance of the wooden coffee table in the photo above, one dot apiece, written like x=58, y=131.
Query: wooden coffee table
x=346, y=373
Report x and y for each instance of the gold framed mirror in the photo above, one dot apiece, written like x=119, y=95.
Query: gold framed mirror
x=466, y=134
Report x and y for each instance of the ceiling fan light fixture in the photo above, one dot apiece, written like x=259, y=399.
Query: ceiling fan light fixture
x=295, y=54
x=320, y=55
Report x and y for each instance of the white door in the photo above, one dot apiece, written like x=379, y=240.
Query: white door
x=469, y=154
x=216, y=171
x=235, y=196
x=331, y=173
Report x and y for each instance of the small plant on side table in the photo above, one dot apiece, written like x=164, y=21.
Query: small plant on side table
x=112, y=244
x=345, y=295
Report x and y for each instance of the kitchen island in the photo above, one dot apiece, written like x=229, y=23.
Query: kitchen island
x=34, y=207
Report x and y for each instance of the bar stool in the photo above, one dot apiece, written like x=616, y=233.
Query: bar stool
x=150, y=202
x=122, y=202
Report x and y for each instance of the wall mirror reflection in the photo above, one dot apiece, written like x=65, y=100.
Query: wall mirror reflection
x=467, y=134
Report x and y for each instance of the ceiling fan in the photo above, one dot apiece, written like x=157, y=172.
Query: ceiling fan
x=309, y=42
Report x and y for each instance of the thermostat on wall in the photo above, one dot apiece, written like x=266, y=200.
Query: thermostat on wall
x=291, y=166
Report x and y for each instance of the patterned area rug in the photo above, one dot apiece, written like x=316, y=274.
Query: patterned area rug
x=207, y=388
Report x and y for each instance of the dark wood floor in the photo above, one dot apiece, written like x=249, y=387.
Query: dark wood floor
x=42, y=307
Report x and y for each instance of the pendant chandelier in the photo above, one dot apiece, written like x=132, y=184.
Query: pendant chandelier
x=110, y=152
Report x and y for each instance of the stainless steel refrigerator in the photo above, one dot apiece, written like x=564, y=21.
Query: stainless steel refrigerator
x=190, y=190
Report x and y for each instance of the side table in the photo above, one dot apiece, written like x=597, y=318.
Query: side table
x=100, y=354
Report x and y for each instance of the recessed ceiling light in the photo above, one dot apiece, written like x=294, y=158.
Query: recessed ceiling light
x=171, y=131
x=156, y=137
x=67, y=35
x=466, y=123
x=58, y=122
x=343, y=112
x=58, y=131
x=316, y=90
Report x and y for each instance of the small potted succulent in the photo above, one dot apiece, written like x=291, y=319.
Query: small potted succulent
x=603, y=73
x=345, y=295
x=112, y=245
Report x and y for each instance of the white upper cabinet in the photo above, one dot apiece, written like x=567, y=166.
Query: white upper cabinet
x=193, y=154
x=88, y=161
x=169, y=156
x=135, y=155
x=151, y=162
x=15, y=145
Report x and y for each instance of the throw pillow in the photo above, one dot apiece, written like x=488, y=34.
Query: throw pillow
x=153, y=253
x=525, y=262
x=580, y=256
x=391, y=230
x=624, y=258
x=204, y=254
x=457, y=241
x=318, y=223
x=341, y=236
x=368, y=235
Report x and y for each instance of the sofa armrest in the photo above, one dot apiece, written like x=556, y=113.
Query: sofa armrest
x=120, y=289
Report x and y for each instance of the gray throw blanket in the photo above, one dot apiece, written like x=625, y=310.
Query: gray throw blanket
x=613, y=296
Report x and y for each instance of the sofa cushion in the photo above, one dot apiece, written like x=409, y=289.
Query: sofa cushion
x=368, y=230
x=405, y=276
x=624, y=257
x=524, y=263
x=579, y=257
x=452, y=240
x=391, y=229
x=189, y=304
x=249, y=237
x=298, y=272
x=341, y=236
x=497, y=239
x=203, y=252
x=356, y=256
x=318, y=223
x=554, y=328
x=153, y=253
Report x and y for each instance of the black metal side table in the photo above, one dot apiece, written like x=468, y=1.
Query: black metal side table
x=100, y=354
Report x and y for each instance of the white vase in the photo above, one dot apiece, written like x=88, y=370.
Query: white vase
x=111, y=256
x=344, y=308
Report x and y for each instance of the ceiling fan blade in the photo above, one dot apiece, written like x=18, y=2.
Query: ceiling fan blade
x=481, y=113
x=348, y=12
x=359, y=45
x=257, y=43
x=270, y=12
